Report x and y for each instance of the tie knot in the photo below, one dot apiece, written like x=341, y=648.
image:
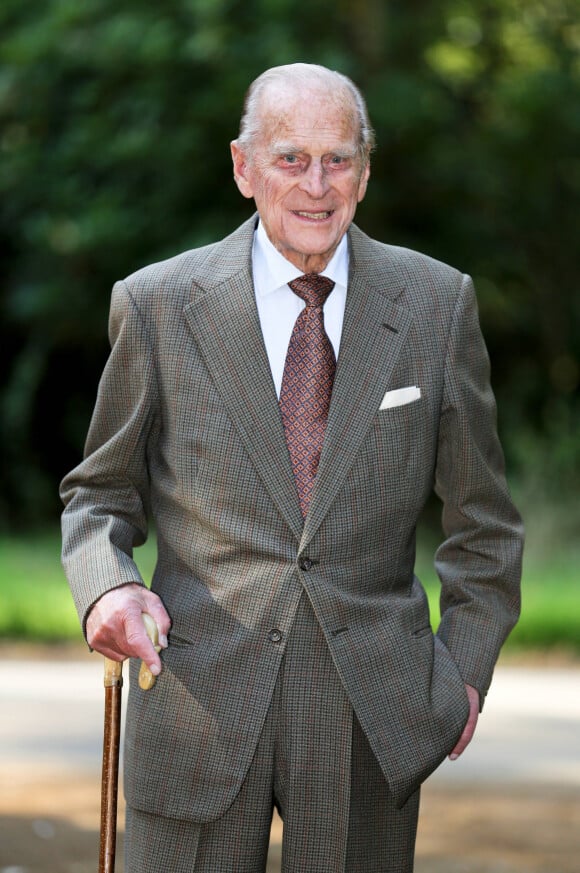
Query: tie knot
x=312, y=288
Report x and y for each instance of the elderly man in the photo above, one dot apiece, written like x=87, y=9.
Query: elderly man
x=283, y=402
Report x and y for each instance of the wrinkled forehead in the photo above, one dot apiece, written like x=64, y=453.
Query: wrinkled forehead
x=289, y=113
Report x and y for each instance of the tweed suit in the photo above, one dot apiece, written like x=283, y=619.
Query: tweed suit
x=187, y=428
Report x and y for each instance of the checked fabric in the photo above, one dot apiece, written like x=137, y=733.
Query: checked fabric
x=307, y=384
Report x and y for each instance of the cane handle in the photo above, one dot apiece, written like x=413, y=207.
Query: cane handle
x=146, y=677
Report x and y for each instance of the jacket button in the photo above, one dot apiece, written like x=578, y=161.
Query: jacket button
x=275, y=635
x=306, y=564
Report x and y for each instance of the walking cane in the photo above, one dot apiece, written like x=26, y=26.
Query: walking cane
x=113, y=682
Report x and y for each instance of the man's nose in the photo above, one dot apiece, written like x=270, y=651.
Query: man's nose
x=314, y=180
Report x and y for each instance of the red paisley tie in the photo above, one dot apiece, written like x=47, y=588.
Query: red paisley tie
x=307, y=384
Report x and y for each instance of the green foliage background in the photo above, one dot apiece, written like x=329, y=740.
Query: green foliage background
x=115, y=120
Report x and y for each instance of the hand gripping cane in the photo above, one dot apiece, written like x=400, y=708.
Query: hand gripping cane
x=113, y=682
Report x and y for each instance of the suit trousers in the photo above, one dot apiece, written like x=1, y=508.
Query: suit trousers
x=314, y=764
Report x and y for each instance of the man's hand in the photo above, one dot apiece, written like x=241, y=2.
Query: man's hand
x=469, y=729
x=115, y=627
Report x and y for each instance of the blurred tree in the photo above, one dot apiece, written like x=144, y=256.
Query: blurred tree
x=114, y=131
x=481, y=120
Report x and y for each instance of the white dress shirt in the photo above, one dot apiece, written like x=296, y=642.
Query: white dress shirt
x=279, y=306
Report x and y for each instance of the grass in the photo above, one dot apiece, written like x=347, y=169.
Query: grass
x=550, y=616
x=35, y=602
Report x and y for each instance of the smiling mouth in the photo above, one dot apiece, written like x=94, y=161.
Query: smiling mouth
x=314, y=216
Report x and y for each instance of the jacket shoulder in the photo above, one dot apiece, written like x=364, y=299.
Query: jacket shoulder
x=428, y=288
x=376, y=257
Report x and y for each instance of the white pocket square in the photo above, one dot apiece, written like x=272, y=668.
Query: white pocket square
x=400, y=396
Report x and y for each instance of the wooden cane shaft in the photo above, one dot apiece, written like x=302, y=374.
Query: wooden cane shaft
x=110, y=774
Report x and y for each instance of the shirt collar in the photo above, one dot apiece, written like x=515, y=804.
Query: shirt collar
x=274, y=270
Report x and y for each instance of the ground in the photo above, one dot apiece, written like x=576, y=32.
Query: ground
x=462, y=831
x=49, y=822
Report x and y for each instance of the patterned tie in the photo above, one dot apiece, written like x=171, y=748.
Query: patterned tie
x=307, y=384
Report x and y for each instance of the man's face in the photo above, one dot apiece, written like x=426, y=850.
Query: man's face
x=305, y=174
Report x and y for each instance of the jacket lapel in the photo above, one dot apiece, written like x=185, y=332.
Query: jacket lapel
x=375, y=329
x=225, y=324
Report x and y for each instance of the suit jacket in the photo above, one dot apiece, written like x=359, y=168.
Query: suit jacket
x=187, y=428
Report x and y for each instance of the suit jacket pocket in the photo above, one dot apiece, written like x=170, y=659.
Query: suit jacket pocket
x=402, y=439
x=190, y=740
x=415, y=716
x=446, y=713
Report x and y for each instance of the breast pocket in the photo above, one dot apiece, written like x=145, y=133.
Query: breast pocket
x=400, y=433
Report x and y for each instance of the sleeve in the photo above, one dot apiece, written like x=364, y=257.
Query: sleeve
x=479, y=562
x=106, y=497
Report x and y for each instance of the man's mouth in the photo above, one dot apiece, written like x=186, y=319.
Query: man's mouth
x=313, y=216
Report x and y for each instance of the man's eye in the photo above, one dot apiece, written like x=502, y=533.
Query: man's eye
x=290, y=159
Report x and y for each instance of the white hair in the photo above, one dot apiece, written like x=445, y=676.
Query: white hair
x=305, y=76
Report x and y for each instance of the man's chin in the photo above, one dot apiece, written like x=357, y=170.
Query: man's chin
x=315, y=241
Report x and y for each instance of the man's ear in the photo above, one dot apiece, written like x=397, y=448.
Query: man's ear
x=241, y=175
x=362, y=187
